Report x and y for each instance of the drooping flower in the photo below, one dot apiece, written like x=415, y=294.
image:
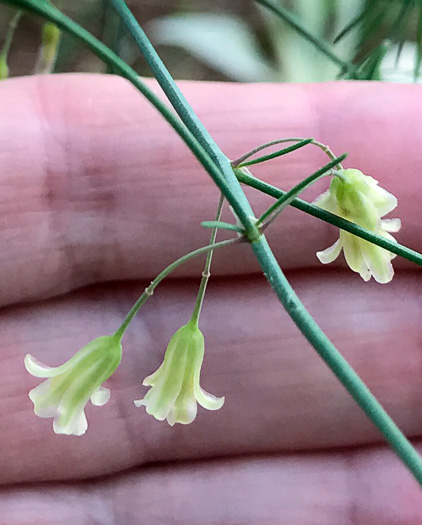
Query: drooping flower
x=175, y=389
x=69, y=387
x=358, y=198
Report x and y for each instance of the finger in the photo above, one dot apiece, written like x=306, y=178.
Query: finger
x=279, y=394
x=96, y=186
x=365, y=487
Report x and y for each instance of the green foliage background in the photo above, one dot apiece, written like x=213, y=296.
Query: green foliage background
x=239, y=40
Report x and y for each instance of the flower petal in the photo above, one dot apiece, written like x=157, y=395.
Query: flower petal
x=153, y=378
x=184, y=411
x=160, y=399
x=207, y=400
x=383, y=200
x=351, y=249
x=330, y=254
x=38, y=369
x=323, y=200
x=353, y=255
x=378, y=261
x=101, y=396
x=391, y=225
x=388, y=236
x=46, y=400
x=76, y=425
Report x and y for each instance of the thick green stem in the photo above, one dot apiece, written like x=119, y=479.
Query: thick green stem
x=335, y=220
x=239, y=203
x=231, y=189
x=49, y=12
x=335, y=361
x=206, y=273
x=150, y=289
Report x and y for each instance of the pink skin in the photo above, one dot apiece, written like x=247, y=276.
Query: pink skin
x=97, y=188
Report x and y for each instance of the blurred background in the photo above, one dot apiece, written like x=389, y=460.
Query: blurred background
x=239, y=40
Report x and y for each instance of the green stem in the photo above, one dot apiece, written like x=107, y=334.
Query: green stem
x=326, y=216
x=222, y=226
x=206, y=273
x=418, y=58
x=239, y=203
x=49, y=12
x=315, y=41
x=13, y=24
x=150, y=289
x=240, y=162
x=335, y=361
x=237, y=199
x=273, y=211
x=274, y=155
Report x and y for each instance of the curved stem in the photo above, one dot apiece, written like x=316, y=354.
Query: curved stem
x=240, y=162
x=150, y=289
x=206, y=273
x=49, y=12
x=273, y=211
x=335, y=361
x=232, y=191
x=270, y=156
x=239, y=202
x=335, y=220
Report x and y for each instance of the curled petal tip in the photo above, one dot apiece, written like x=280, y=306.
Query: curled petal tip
x=36, y=368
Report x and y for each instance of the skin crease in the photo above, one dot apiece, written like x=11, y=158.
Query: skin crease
x=98, y=195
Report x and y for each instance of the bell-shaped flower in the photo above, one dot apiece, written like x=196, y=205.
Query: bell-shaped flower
x=69, y=387
x=175, y=389
x=358, y=198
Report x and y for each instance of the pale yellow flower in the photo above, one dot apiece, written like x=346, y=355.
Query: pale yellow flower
x=70, y=386
x=175, y=389
x=358, y=198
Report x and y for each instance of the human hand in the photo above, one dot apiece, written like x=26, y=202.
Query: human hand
x=98, y=192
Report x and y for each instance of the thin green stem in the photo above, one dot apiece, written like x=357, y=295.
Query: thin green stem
x=319, y=44
x=335, y=361
x=269, y=265
x=150, y=289
x=11, y=28
x=273, y=211
x=335, y=220
x=274, y=155
x=206, y=273
x=222, y=226
x=239, y=201
x=240, y=162
x=418, y=57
